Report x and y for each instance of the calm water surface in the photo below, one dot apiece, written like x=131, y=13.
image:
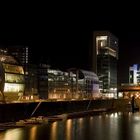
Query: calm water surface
x=113, y=126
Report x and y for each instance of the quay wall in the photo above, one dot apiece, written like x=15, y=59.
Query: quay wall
x=17, y=111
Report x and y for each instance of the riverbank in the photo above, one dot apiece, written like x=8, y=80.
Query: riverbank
x=17, y=111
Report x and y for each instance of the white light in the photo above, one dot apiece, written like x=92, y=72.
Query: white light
x=101, y=37
x=10, y=87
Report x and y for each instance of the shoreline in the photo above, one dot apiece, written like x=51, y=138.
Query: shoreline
x=16, y=111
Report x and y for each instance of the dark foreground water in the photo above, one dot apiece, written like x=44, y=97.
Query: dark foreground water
x=113, y=126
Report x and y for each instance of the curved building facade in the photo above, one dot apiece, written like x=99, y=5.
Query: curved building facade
x=11, y=78
x=75, y=84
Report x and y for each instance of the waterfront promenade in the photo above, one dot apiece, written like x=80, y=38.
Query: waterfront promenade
x=22, y=110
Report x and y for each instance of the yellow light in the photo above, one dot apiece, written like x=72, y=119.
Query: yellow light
x=69, y=129
x=33, y=133
x=10, y=87
x=54, y=130
x=15, y=134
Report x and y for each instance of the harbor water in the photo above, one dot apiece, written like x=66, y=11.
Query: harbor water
x=104, y=126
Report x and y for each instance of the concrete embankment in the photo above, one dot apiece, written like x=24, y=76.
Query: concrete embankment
x=16, y=111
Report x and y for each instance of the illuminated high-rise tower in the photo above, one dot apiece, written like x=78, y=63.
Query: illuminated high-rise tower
x=104, y=61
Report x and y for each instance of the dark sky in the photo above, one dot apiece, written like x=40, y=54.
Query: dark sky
x=61, y=38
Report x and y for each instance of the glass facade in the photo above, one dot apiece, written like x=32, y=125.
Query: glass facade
x=72, y=85
x=7, y=59
x=13, y=68
x=12, y=75
x=12, y=87
x=59, y=84
x=14, y=78
x=106, y=46
x=75, y=84
x=12, y=81
x=134, y=74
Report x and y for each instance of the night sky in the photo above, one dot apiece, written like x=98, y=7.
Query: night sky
x=63, y=39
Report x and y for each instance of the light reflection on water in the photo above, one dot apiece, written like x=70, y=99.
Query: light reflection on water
x=54, y=131
x=116, y=126
x=13, y=134
x=33, y=132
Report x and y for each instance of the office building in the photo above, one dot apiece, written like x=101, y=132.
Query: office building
x=12, y=80
x=104, y=60
x=21, y=53
x=74, y=84
x=134, y=74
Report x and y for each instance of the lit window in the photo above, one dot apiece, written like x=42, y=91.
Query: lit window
x=10, y=87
